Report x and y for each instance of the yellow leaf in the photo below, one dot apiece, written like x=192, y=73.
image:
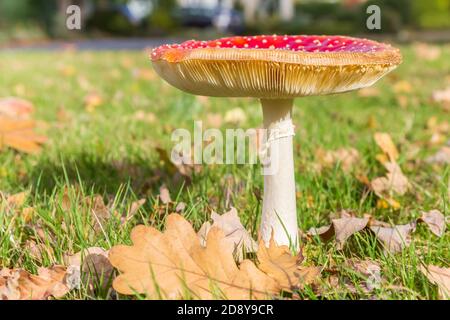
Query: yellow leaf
x=384, y=141
x=15, y=108
x=92, y=101
x=20, y=135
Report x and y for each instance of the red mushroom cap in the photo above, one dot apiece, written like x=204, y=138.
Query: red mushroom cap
x=274, y=66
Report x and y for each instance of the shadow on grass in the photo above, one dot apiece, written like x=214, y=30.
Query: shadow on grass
x=102, y=176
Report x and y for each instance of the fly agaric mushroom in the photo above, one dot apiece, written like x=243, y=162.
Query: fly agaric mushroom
x=275, y=69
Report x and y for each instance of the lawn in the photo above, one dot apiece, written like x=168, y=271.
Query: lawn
x=107, y=114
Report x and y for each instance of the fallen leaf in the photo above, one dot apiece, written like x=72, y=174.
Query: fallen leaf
x=394, y=182
x=101, y=213
x=92, y=101
x=345, y=157
x=402, y=86
x=20, y=135
x=440, y=277
x=38, y=250
x=442, y=97
x=279, y=264
x=16, y=200
x=18, y=284
x=426, y=51
x=435, y=220
x=94, y=268
x=134, y=208
x=384, y=141
x=164, y=195
x=16, y=108
x=371, y=272
x=173, y=264
x=394, y=238
x=442, y=156
x=342, y=228
x=234, y=231
x=369, y=92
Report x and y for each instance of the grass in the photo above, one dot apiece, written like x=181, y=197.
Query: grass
x=109, y=151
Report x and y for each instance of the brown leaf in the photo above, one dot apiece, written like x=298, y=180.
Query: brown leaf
x=173, y=264
x=440, y=277
x=17, y=200
x=20, y=135
x=38, y=250
x=442, y=156
x=93, y=266
x=134, y=208
x=234, y=231
x=16, y=108
x=164, y=195
x=442, y=97
x=18, y=284
x=394, y=182
x=342, y=228
x=371, y=272
x=435, y=220
x=100, y=212
x=345, y=157
x=279, y=263
x=394, y=238
x=384, y=141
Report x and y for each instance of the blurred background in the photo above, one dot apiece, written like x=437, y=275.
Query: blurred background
x=25, y=22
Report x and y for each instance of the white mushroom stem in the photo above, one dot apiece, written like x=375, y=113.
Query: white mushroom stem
x=279, y=216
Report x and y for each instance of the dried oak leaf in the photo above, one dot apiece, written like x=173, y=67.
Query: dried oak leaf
x=278, y=263
x=173, y=264
x=20, y=135
x=234, y=231
x=18, y=284
x=394, y=238
x=435, y=220
x=342, y=228
x=440, y=277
